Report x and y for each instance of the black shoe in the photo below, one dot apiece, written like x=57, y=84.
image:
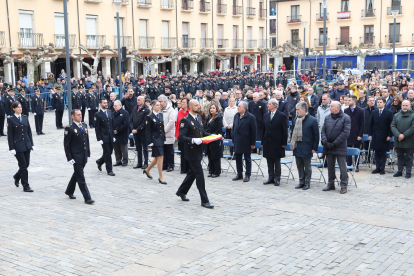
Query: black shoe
x=183, y=197
x=397, y=174
x=145, y=172
x=99, y=166
x=28, y=189
x=137, y=166
x=209, y=175
x=124, y=164
x=269, y=181
x=144, y=167
x=42, y=133
x=162, y=182
x=239, y=177
x=343, y=190
x=170, y=169
x=408, y=175
x=376, y=171
x=306, y=187
x=111, y=173
x=246, y=179
x=214, y=176
x=382, y=172
x=207, y=205
x=277, y=183
x=328, y=188
x=70, y=196
x=90, y=201
x=300, y=186
x=117, y=164
x=16, y=181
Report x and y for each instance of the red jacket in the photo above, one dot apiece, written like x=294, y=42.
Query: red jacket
x=305, y=78
x=181, y=114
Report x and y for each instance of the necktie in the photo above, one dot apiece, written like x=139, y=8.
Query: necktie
x=106, y=114
x=139, y=108
x=271, y=115
x=20, y=119
x=80, y=126
x=158, y=116
x=380, y=112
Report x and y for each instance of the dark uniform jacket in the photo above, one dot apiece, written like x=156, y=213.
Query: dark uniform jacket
x=19, y=134
x=25, y=103
x=121, y=124
x=8, y=100
x=77, y=100
x=137, y=120
x=38, y=105
x=107, y=94
x=155, y=130
x=2, y=106
x=76, y=143
x=274, y=135
x=244, y=133
x=92, y=101
x=191, y=128
x=103, y=124
x=58, y=102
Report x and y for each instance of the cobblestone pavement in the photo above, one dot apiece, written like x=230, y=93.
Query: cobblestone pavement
x=138, y=227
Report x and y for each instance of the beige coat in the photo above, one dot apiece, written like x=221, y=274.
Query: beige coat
x=228, y=118
x=169, y=123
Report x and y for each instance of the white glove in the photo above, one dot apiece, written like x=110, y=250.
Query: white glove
x=13, y=152
x=33, y=148
x=54, y=109
x=89, y=109
x=34, y=114
x=150, y=145
x=114, y=139
x=72, y=162
x=100, y=142
x=197, y=141
x=88, y=159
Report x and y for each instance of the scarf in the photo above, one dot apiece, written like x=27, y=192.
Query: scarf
x=335, y=116
x=297, y=132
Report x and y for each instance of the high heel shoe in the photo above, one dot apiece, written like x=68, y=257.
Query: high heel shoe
x=162, y=182
x=145, y=172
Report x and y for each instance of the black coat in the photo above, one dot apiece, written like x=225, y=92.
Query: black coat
x=76, y=143
x=137, y=120
x=368, y=112
x=244, y=133
x=58, y=102
x=284, y=108
x=19, y=134
x=380, y=129
x=25, y=103
x=121, y=124
x=129, y=103
x=92, y=101
x=357, y=125
x=310, y=137
x=189, y=129
x=362, y=104
x=336, y=131
x=38, y=105
x=103, y=124
x=292, y=100
x=215, y=149
x=155, y=130
x=275, y=135
x=258, y=110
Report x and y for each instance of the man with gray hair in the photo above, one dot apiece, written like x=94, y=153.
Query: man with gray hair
x=334, y=136
x=169, y=118
x=304, y=143
x=121, y=134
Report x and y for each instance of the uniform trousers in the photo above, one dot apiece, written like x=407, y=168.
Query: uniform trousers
x=168, y=156
x=79, y=177
x=2, y=118
x=83, y=110
x=141, y=146
x=274, y=168
x=23, y=160
x=106, y=156
x=330, y=158
x=39, y=123
x=59, y=117
x=91, y=115
x=195, y=173
x=184, y=164
x=121, y=153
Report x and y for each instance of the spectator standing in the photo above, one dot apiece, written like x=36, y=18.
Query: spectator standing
x=323, y=110
x=258, y=109
x=121, y=133
x=367, y=116
x=169, y=128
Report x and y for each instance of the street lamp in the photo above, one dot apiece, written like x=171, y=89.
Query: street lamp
x=394, y=13
x=304, y=23
x=117, y=6
x=325, y=4
x=68, y=83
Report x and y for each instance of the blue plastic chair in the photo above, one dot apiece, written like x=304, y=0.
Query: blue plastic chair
x=258, y=160
x=352, y=152
x=320, y=166
x=288, y=163
x=365, y=138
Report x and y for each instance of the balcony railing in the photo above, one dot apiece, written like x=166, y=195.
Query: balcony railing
x=204, y=6
x=237, y=43
x=60, y=41
x=144, y=3
x=30, y=40
x=250, y=12
x=264, y=43
x=367, y=39
x=237, y=10
x=390, y=38
x=343, y=41
x=262, y=13
x=321, y=42
x=251, y=43
x=319, y=17
x=95, y=41
x=412, y=38
x=221, y=9
x=124, y=2
x=206, y=43
x=2, y=39
x=398, y=8
x=125, y=41
x=222, y=43
x=368, y=13
x=296, y=42
x=167, y=4
x=146, y=42
x=187, y=5
x=168, y=42
x=294, y=19
x=188, y=43
x=343, y=15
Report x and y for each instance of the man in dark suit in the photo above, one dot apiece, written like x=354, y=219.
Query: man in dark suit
x=283, y=104
x=76, y=143
x=357, y=116
x=105, y=135
x=121, y=125
x=368, y=113
x=190, y=134
x=92, y=105
x=24, y=101
x=275, y=134
x=9, y=99
x=137, y=127
x=362, y=102
x=111, y=101
x=58, y=105
x=244, y=140
x=38, y=109
x=380, y=134
x=258, y=109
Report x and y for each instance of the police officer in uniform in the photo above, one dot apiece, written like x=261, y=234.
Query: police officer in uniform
x=107, y=93
x=9, y=99
x=58, y=105
x=38, y=109
x=76, y=143
x=24, y=101
x=20, y=140
x=84, y=98
x=190, y=134
x=76, y=98
x=2, y=114
x=105, y=135
x=92, y=105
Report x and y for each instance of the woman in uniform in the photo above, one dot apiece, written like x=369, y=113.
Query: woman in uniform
x=155, y=139
x=20, y=140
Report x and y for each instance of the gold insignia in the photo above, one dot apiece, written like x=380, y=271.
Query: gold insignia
x=192, y=123
x=181, y=125
x=76, y=131
x=154, y=120
x=94, y=118
x=86, y=130
x=66, y=132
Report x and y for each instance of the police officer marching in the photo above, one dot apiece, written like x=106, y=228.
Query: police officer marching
x=92, y=105
x=38, y=109
x=20, y=140
x=24, y=101
x=76, y=98
x=58, y=105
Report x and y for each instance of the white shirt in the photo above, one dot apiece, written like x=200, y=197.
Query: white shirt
x=78, y=124
x=17, y=116
x=195, y=117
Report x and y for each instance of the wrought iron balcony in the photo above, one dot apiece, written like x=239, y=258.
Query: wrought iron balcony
x=294, y=19
x=237, y=43
x=367, y=39
x=264, y=43
x=343, y=15
x=125, y=41
x=390, y=38
x=167, y=4
x=188, y=43
x=343, y=41
x=206, y=43
x=204, y=6
x=2, y=39
x=95, y=41
x=146, y=42
x=321, y=42
x=221, y=9
x=368, y=13
x=30, y=40
x=250, y=12
x=295, y=42
x=144, y=3
x=60, y=41
x=168, y=42
x=251, y=43
x=222, y=43
x=187, y=5
x=262, y=13
x=237, y=10
x=124, y=2
x=398, y=8
x=319, y=17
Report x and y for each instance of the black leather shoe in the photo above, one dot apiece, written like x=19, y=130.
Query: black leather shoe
x=207, y=205
x=183, y=197
x=99, y=166
x=306, y=187
x=246, y=179
x=117, y=164
x=269, y=181
x=343, y=191
x=70, y=196
x=162, y=182
x=124, y=164
x=239, y=177
x=42, y=133
x=144, y=167
x=376, y=171
x=214, y=176
x=300, y=186
x=277, y=183
x=90, y=201
x=16, y=181
x=145, y=172
x=328, y=188
x=382, y=172
x=209, y=175
x=111, y=173
x=137, y=166
x=170, y=169
x=397, y=174
x=28, y=190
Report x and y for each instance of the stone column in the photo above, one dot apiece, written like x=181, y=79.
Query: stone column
x=130, y=65
x=193, y=67
x=209, y=64
x=77, y=69
x=254, y=63
x=241, y=62
x=8, y=72
x=45, y=69
x=106, y=66
x=264, y=59
x=174, y=67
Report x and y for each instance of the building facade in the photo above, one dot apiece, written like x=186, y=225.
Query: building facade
x=152, y=27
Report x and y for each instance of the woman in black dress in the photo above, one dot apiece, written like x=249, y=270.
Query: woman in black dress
x=155, y=139
x=214, y=152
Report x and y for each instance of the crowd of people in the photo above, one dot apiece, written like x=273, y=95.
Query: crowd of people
x=252, y=110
